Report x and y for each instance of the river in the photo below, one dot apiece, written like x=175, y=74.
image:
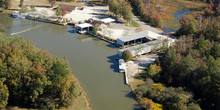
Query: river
x=92, y=61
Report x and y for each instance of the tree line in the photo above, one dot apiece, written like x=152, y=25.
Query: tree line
x=187, y=76
x=149, y=10
x=121, y=9
x=32, y=78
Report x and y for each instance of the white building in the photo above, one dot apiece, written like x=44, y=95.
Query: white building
x=139, y=38
x=147, y=47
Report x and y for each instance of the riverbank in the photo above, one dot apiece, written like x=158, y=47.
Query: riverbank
x=81, y=102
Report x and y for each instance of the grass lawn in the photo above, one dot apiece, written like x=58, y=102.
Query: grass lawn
x=134, y=24
x=134, y=85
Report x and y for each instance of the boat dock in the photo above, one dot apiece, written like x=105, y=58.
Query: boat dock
x=38, y=17
x=104, y=39
x=126, y=77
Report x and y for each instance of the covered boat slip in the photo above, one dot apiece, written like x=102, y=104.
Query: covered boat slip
x=83, y=28
x=141, y=37
x=147, y=47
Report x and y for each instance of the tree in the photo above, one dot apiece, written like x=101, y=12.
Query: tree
x=21, y=3
x=187, y=26
x=125, y=10
x=33, y=77
x=63, y=11
x=154, y=72
x=203, y=46
x=147, y=104
x=215, y=51
x=114, y=6
x=126, y=55
x=4, y=93
x=193, y=106
x=7, y=4
x=58, y=11
x=52, y=2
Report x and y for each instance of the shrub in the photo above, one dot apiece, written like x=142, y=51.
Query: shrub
x=4, y=93
x=23, y=9
x=127, y=55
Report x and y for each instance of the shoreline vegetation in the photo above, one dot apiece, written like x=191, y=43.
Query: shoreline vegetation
x=45, y=82
x=187, y=75
x=160, y=12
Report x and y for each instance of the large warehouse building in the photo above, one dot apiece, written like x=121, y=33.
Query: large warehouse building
x=141, y=37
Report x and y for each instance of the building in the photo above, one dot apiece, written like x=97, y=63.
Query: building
x=83, y=28
x=107, y=20
x=147, y=47
x=140, y=37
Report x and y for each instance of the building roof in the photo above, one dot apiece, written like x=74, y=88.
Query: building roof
x=139, y=35
x=107, y=20
x=84, y=25
x=136, y=47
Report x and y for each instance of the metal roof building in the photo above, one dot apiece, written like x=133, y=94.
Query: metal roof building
x=138, y=37
x=147, y=47
x=82, y=28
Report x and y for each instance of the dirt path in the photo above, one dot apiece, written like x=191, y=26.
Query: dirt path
x=140, y=63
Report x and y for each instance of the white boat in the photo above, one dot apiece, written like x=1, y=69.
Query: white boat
x=122, y=65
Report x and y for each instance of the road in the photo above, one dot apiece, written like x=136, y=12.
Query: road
x=150, y=28
x=146, y=26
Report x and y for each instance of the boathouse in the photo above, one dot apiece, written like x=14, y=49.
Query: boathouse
x=82, y=28
x=147, y=47
x=141, y=37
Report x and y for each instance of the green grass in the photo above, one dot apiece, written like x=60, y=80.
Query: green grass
x=134, y=24
x=1, y=10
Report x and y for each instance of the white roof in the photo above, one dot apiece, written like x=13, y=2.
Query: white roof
x=139, y=35
x=107, y=20
x=84, y=25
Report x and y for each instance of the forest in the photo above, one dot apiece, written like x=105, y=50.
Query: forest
x=187, y=75
x=32, y=78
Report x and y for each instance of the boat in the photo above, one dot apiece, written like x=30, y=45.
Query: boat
x=14, y=15
x=122, y=65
